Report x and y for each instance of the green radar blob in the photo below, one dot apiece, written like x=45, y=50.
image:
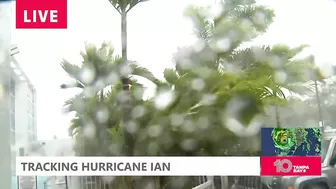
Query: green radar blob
x=282, y=138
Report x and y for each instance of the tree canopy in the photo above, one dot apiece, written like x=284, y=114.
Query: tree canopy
x=212, y=103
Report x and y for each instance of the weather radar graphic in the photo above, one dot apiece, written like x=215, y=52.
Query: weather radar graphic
x=291, y=142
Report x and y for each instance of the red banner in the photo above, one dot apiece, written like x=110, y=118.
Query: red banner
x=291, y=166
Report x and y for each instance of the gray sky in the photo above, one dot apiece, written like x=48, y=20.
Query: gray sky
x=155, y=30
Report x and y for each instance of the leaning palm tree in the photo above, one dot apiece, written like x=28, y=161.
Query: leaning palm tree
x=99, y=105
x=284, y=73
x=227, y=34
x=101, y=70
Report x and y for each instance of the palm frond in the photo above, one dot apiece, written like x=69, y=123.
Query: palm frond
x=74, y=84
x=71, y=69
x=70, y=104
x=74, y=128
x=301, y=88
x=138, y=70
x=203, y=26
x=248, y=57
x=259, y=17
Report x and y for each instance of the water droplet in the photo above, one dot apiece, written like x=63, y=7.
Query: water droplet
x=259, y=18
x=112, y=78
x=176, y=119
x=138, y=93
x=153, y=148
x=189, y=144
x=203, y=122
x=89, y=130
x=164, y=99
x=280, y=77
x=198, y=84
x=149, y=185
x=155, y=130
x=102, y=115
x=125, y=70
x=223, y=44
x=199, y=46
x=89, y=92
x=123, y=96
x=131, y=127
x=209, y=99
x=87, y=74
x=188, y=126
x=138, y=112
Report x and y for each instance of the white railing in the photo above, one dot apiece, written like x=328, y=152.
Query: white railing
x=226, y=182
x=205, y=183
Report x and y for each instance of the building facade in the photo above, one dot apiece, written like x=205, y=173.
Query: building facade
x=5, y=148
x=21, y=108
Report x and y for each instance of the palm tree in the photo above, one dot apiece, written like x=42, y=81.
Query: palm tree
x=289, y=74
x=100, y=78
x=241, y=22
x=123, y=7
x=101, y=71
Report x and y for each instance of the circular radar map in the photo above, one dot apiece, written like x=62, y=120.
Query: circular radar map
x=291, y=141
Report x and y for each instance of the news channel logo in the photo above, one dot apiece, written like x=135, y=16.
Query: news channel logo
x=286, y=166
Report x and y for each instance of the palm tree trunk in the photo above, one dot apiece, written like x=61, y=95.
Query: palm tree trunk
x=128, y=138
x=318, y=105
x=102, y=95
x=124, y=35
x=277, y=116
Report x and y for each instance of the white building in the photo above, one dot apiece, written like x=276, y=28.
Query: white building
x=21, y=99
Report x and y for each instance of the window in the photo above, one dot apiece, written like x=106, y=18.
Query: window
x=33, y=97
x=12, y=103
x=30, y=108
x=32, y=105
x=12, y=87
x=12, y=121
x=13, y=137
x=30, y=123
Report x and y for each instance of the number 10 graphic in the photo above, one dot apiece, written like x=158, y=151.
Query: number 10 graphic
x=279, y=164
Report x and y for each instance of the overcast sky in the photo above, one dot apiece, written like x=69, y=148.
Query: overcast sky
x=155, y=29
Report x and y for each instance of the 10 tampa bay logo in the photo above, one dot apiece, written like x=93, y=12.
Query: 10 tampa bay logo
x=286, y=166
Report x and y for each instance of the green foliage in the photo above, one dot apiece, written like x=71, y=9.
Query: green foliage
x=203, y=90
x=209, y=104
